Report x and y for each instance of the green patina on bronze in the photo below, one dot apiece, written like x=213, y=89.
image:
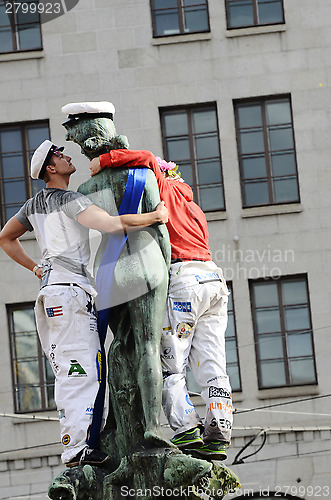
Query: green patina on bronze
x=140, y=457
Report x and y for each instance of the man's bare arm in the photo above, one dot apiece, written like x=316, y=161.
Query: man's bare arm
x=97, y=218
x=10, y=243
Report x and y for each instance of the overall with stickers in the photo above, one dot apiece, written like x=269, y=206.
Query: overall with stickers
x=196, y=314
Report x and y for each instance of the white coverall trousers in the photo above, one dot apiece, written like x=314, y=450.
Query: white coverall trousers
x=67, y=327
x=194, y=334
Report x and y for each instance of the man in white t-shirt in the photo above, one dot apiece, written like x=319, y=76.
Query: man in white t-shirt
x=65, y=315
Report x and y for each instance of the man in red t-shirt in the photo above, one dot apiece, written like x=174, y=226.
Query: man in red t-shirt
x=196, y=314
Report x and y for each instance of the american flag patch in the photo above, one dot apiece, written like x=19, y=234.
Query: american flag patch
x=54, y=311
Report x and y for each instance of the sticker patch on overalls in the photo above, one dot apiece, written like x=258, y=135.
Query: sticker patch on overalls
x=76, y=370
x=54, y=311
x=99, y=365
x=182, y=306
x=66, y=439
x=62, y=414
x=183, y=330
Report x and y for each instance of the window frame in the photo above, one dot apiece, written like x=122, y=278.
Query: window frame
x=255, y=16
x=263, y=100
x=23, y=127
x=180, y=9
x=189, y=109
x=286, y=357
x=14, y=31
x=41, y=358
x=234, y=337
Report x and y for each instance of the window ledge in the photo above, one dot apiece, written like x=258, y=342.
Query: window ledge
x=22, y=56
x=290, y=392
x=289, y=208
x=210, y=216
x=190, y=37
x=255, y=30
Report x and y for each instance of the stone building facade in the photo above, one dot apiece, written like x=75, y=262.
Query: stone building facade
x=236, y=92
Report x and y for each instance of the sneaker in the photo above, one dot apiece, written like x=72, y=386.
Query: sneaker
x=88, y=456
x=188, y=439
x=215, y=450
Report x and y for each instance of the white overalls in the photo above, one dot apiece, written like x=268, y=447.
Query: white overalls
x=194, y=335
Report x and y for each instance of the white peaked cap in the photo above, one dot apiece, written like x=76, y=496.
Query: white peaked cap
x=41, y=157
x=79, y=110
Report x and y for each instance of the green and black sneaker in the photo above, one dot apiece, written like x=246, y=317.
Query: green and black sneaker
x=214, y=450
x=188, y=439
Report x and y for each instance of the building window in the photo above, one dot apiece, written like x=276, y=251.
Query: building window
x=178, y=17
x=266, y=149
x=245, y=13
x=283, y=332
x=33, y=378
x=19, y=26
x=17, y=144
x=191, y=139
x=231, y=346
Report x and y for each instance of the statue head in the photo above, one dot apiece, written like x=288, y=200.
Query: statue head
x=91, y=125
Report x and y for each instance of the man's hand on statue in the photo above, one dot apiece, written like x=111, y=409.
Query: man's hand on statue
x=162, y=213
x=95, y=166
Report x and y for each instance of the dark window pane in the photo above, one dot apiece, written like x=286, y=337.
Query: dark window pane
x=195, y=20
x=209, y=172
x=211, y=198
x=231, y=351
x=230, y=330
x=29, y=38
x=27, y=372
x=241, y=13
x=268, y=321
x=297, y=318
x=270, y=12
x=233, y=373
x=286, y=190
x=204, y=121
x=272, y=373
x=271, y=347
x=4, y=17
x=254, y=166
x=12, y=166
x=14, y=191
x=278, y=113
x=165, y=4
x=23, y=320
x=6, y=41
x=266, y=294
x=26, y=345
x=167, y=23
x=302, y=371
x=28, y=16
x=250, y=116
x=283, y=164
x=256, y=193
x=194, y=2
x=207, y=146
x=186, y=173
x=252, y=142
x=29, y=398
x=294, y=292
x=179, y=149
x=36, y=135
x=176, y=124
x=11, y=141
x=299, y=344
x=281, y=138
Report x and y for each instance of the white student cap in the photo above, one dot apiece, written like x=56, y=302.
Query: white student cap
x=41, y=158
x=80, y=110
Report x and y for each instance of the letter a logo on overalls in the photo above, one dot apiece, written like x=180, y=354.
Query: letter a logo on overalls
x=76, y=370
